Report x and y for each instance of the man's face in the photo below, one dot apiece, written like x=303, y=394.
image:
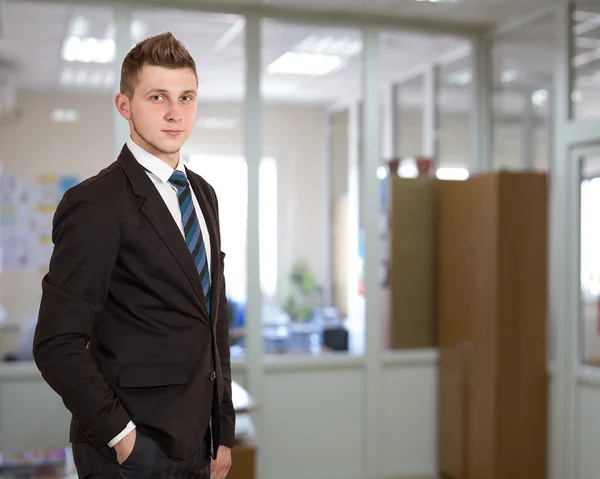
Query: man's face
x=162, y=112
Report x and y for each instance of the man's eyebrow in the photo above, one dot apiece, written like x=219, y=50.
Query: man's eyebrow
x=164, y=91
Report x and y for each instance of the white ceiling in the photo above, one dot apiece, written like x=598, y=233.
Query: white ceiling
x=478, y=12
x=35, y=32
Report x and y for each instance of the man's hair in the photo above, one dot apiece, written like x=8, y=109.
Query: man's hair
x=163, y=50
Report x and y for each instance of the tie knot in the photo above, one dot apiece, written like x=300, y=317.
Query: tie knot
x=179, y=179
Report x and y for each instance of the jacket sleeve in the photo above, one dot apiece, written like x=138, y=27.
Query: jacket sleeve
x=227, y=410
x=86, y=240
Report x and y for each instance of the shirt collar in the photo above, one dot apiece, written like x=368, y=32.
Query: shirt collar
x=152, y=163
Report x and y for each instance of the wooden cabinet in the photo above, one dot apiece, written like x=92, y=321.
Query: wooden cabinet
x=491, y=304
x=409, y=295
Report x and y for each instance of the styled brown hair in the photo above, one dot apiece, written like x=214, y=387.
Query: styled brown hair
x=163, y=50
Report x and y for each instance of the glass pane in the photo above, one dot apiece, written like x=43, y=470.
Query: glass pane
x=454, y=100
x=215, y=148
x=55, y=130
x=408, y=184
x=586, y=60
x=523, y=76
x=508, y=111
x=590, y=259
x=308, y=204
x=410, y=102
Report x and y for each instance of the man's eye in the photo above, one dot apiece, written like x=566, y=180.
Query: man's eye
x=186, y=98
x=157, y=97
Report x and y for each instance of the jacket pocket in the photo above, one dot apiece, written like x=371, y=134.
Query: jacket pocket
x=147, y=375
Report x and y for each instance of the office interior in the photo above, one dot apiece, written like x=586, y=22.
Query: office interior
x=408, y=194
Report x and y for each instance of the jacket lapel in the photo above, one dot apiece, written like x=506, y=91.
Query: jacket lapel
x=205, y=201
x=154, y=209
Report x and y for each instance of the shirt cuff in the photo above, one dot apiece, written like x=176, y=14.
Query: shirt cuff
x=130, y=427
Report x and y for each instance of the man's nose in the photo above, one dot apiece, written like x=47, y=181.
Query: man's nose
x=174, y=113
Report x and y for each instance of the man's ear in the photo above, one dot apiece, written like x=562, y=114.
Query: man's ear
x=123, y=105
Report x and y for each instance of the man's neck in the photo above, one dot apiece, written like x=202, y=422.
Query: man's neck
x=170, y=159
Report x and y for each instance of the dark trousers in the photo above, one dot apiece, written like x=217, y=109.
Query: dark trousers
x=146, y=460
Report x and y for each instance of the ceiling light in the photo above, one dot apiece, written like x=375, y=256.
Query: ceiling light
x=538, y=97
x=83, y=77
x=64, y=116
x=461, y=77
x=66, y=77
x=382, y=172
x=96, y=78
x=88, y=50
x=109, y=78
x=508, y=76
x=293, y=63
x=345, y=47
x=576, y=96
x=278, y=87
x=408, y=168
x=448, y=173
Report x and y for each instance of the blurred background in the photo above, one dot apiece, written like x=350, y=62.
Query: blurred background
x=408, y=194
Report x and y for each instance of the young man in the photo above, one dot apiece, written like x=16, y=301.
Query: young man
x=132, y=330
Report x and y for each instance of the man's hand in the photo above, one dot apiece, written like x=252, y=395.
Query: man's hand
x=124, y=447
x=220, y=466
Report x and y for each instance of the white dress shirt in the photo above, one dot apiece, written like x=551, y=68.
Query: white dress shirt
x=159, y=172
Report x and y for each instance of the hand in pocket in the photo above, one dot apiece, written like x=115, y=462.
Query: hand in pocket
x=125, y=446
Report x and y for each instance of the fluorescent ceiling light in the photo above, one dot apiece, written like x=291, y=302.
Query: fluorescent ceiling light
x=344, y=47
x=508, y=76
x=587, y=22
x=461, y=77
x=84, y=77
x=585, y=58
x=88, y=50
x=293, y=63
x=64, y=116
x=316, y=55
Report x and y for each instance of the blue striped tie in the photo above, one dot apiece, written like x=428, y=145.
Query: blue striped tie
x=191, y=229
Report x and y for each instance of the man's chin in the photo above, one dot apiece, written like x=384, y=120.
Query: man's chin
x=170, y=147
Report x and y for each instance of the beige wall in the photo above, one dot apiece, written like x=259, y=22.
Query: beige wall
x=339, y=154
x=33, y=144
x=339, y=208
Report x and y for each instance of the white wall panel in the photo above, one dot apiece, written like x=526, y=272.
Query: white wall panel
x=314, y=424
x=588, y=422
x=408, y=406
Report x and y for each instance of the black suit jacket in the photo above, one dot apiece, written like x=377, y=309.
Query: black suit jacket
x=123, y=331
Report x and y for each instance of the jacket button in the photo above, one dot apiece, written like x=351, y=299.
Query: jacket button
x=213, y=376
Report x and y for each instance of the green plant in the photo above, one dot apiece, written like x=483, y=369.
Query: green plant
x=303, y=294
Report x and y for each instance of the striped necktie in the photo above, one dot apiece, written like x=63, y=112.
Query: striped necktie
x=191, y=229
